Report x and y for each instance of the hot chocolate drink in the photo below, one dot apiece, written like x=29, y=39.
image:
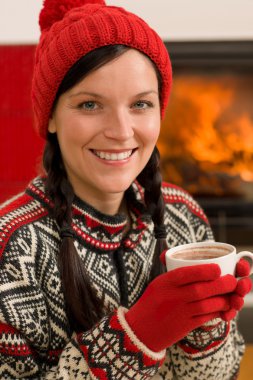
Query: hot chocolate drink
x=199, y=254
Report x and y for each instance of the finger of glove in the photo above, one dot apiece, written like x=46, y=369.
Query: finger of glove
x=190, y=274
x=244, y=286
x=228, y=315
x=242, y=268
x=210, y=305
x=201, y=290
x=236, y=302
x=198, y=321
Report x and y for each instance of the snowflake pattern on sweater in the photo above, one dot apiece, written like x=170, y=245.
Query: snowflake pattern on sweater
x=35, y=338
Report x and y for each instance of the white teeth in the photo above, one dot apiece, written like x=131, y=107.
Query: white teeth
x=113, y=156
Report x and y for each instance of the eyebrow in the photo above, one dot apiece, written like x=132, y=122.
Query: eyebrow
x=94, y=95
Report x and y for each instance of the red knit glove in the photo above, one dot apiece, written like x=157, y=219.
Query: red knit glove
x=243, y=287
x=179, y=301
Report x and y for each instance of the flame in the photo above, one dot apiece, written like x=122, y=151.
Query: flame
x=206, y=140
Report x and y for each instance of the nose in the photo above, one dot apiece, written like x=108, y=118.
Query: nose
x=119, y=126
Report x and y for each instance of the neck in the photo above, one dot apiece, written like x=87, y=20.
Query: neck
x=109, y=204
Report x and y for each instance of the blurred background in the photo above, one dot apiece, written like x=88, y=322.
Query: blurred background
x=206, y=142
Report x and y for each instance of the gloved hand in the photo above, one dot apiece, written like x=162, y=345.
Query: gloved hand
x=243, y=287
x=179, y=301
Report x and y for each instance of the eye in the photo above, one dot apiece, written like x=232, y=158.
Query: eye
x=88, y=105
x=143, y=104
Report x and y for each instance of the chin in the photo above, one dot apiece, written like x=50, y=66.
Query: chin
x=117, y=188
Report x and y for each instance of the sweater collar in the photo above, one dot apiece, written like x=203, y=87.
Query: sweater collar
x=102, y=232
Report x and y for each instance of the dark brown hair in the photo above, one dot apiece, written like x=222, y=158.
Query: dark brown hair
x=84, y=307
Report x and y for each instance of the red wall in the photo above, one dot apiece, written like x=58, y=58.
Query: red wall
x=20, y=147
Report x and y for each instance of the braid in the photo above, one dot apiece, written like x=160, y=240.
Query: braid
x=150, y=178
x=57, y=186
x=83, y=306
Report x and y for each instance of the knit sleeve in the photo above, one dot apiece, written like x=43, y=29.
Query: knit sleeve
x=108, y=351
x=105, y=352
x=210, y=352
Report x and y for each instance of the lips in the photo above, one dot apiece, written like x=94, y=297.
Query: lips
x=113, y=156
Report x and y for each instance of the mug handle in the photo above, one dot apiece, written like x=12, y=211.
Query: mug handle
x=243, y=254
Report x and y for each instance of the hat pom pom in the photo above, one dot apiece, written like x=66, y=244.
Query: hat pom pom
x=54, y=10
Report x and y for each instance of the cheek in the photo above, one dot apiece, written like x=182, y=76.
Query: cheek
x=70, y=143
x=71, y=132
x=151, y=131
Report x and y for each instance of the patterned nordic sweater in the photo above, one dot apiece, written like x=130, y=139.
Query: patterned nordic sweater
x=35, y=339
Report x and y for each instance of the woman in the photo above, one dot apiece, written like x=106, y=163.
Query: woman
x=84, y=292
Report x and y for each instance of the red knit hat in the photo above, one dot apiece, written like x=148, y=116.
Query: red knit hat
x=72, y=28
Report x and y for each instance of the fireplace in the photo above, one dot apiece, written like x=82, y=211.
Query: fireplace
x=206, y=141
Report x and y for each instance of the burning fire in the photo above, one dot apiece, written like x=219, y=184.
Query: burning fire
x=206, y=141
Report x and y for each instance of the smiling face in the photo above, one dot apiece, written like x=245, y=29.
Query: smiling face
x=107, y=126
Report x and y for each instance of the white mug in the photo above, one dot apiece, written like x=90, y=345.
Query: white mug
x=206, y=252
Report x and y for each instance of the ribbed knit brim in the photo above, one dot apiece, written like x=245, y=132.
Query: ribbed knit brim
x=81, y=30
